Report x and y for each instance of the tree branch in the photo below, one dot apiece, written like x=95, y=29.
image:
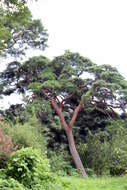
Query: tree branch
x=75, y=114
x=58, y=109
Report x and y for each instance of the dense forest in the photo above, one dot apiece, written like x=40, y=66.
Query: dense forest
x=72, y=120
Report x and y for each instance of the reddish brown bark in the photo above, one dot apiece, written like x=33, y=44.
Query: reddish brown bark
x=75, y=114
x=69, y=133
x=75, y=155
x=60, y=114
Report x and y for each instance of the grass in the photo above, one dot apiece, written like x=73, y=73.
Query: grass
x=105, y=183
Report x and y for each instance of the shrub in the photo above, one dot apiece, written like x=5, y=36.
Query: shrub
x=118, y=162
x=29, y=167
x=118, y=147
x=105, y=152
x=6, y=145
x=94, y=154
x=61, y=164
x=27, y=135
x=8, y=184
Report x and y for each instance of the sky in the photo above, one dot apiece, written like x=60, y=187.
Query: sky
x=97, y=29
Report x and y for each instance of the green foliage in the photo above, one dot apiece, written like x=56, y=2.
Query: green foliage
x=118, y=162
x=48, y=73
x=6, y=145
x=61, y=164
x=10, y=183
x=18, y=31
x=105, y=152
x=86, y=97
x=28, y=166
x=118, y=142
x=94, y=155
x=69, y=74
x=63, y=81
x=14, y=2
x=103, y=183
x=29, y=169
x=51, y=84
x=35, y=86
x=56, y=184
x=27, y=135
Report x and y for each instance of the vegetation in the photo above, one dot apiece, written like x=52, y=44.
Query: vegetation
x=27, y=135
x=72, y=121
x=59, y=85
x=105, y=183
x=105, y=151
x=18, y=31
x=29, y=169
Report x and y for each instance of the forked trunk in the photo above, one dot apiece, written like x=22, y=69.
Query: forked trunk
x=68, y=131
x=75, y=155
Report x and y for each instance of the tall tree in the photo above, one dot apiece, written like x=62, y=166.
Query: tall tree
x=70, y=83
x=18, y=31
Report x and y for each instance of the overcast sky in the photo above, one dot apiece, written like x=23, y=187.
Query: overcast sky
x=97, y=29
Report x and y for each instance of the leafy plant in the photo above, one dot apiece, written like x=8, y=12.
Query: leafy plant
x=28, y=135
x=28, y=166
x=6, y=145
x=105, y=152
x=61, y=164
x=118, y=146
x=10, y=183
x=95, y=154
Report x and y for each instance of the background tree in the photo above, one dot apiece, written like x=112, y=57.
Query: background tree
x=18, y=31
x=70, y=83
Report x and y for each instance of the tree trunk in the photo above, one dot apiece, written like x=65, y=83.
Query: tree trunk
x=68, y=131
x=75, y=155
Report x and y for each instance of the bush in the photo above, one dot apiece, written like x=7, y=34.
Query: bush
x=29, y=167
x=118, y=148
x=118, y=163
x=27, y=135
x=8, y=184
x=94, y=154
x=61, y=164
x=6, y=145
x=90, y=172
x=105, y=152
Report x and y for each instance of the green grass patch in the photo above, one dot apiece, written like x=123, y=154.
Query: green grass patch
x=105, y=183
